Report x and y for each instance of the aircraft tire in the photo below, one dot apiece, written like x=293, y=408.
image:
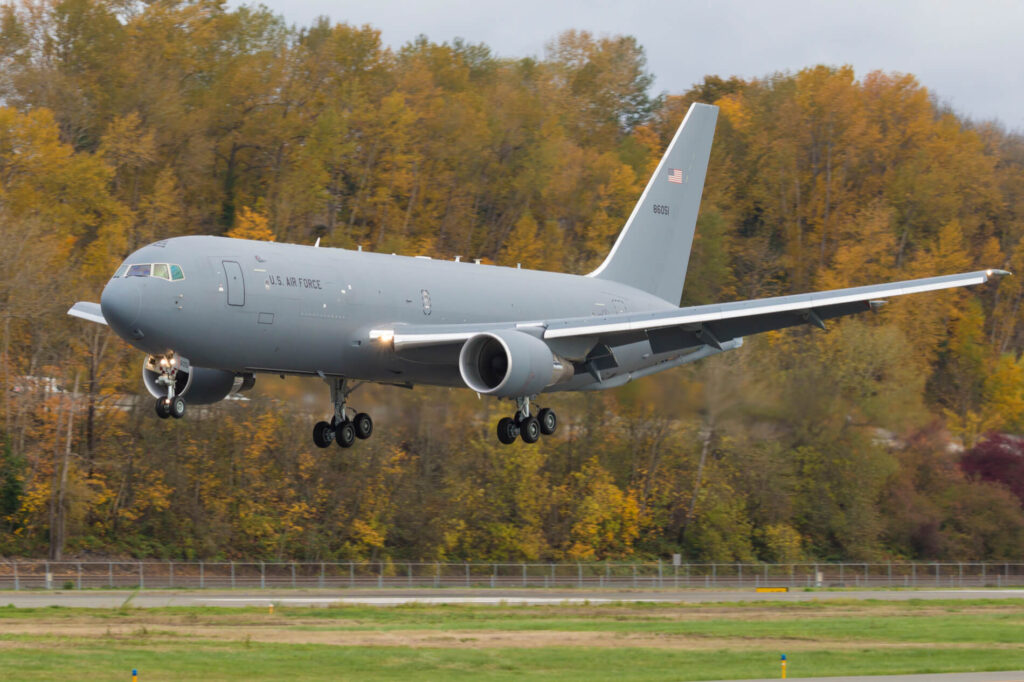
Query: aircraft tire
x=323, y=434
x=162, y=410
x=548, y=421
x=345, y=434
x=177, y=408
x=529, y=429
x=508, y=431
x=363, y=425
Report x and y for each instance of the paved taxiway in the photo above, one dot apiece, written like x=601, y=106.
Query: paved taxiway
x=392, y=597
x=1006, y=676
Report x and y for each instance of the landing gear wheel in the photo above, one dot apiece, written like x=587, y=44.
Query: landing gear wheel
x=177, y=408
x=529, y=429
x=548, y=421
x=508, y=430
x=162, y=409
x=345, y=434
x=323, y=434
x=363, y=425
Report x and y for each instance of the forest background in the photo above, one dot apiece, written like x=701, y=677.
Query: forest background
x=888, y=437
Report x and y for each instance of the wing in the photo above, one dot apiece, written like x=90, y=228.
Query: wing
x=714, y=324
x=87, y=311
x=680, y=328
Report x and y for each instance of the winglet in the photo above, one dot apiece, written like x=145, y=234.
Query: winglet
x=87, y=311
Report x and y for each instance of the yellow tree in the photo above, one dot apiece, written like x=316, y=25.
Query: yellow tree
x=524, y=245
x=250, y=224
x=605, y=519
x=1004, y=394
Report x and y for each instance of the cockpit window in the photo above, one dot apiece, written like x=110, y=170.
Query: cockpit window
x=168, y=271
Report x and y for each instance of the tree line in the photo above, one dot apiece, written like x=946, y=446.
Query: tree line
x=889, y=436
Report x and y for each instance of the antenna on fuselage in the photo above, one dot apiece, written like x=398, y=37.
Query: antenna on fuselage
x=317, y=245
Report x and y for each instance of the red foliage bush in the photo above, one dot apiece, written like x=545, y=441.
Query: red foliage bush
x=1000, y=459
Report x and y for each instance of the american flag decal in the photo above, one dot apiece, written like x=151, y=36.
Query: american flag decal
x=676, y=175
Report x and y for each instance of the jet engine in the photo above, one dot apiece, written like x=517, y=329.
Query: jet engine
x=510, y=364
x=200, y=385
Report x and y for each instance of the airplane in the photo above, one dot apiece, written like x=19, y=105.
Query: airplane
x=212, y=312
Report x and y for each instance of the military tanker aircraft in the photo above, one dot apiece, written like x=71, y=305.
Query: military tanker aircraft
x=213, y=312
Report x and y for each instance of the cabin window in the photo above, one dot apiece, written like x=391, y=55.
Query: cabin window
x=160, y=270
x=176, y=273
x=138, y=271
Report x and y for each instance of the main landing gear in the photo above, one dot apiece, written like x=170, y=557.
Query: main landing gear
x=524, y=425
x=172, y=405
x=341, y=429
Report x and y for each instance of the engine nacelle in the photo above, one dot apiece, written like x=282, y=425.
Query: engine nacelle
x=510, y=364
x=198, y=385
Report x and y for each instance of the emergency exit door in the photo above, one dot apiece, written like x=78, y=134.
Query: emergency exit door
x=234, y=283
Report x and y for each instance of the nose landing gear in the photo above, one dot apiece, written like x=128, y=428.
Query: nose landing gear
x=524, y=425
x=341, y=429
x=172, y=405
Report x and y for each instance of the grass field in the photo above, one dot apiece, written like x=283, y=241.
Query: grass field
x=570, y=642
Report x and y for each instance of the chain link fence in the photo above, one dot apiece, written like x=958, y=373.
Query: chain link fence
x=32, y=574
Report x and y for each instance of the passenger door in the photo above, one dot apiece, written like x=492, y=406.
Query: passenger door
x=234, y=283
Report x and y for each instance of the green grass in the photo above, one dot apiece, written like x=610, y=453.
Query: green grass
x=742, y=640
x=319, y=662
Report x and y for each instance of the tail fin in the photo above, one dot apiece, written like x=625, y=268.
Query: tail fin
x=653, y=248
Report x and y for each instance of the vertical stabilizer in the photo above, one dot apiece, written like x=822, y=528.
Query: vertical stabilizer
x=653, y=248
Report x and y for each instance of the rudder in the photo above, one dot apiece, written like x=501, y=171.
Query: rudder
x=653, y=248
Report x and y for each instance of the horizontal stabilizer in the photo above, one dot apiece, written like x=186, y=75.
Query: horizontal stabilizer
x=87, y=311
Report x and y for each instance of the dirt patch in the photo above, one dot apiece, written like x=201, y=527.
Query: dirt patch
x=338, y=627
x=170, y=633
x=787, y=611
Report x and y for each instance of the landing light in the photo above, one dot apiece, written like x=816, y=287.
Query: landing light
x=383, y=335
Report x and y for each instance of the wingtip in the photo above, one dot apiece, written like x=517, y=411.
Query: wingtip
x=993, y=272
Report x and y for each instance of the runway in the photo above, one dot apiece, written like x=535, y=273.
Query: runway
x=394, y=597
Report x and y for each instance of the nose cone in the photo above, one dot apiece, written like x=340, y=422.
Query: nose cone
x=120, y=304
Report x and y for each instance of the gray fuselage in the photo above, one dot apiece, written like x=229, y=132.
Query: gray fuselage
x=291, y=309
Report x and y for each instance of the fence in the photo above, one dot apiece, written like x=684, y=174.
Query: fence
x=22, y=575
